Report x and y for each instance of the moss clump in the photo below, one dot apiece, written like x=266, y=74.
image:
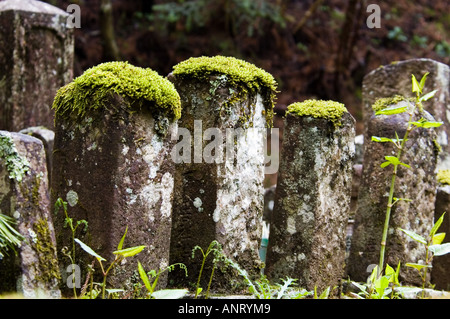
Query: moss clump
x=443, y=176
x=91, y=89
x=48, y=264
x=385, y=102
x=238, y=73
x=330, y=110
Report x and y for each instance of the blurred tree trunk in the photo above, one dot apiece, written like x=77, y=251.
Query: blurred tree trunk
x=110, y=48
x=347, y=41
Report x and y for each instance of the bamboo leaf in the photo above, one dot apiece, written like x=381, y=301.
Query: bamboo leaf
x=416, y=85
x=422, y=81
x=419, y=267
x=439, y=250
x=414, y=236
x=438, y=238
x=129, y=252
x=436, y=225
x=119, y=247
x=89, y=250
x=144, y=277
x=427, y=96
x=397, y=109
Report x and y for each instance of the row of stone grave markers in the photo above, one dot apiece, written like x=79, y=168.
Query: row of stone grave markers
x=122, y=159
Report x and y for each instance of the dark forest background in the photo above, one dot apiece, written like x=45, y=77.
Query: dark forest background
x=314, y=48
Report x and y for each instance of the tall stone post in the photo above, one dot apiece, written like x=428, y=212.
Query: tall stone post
x=227, y=104
x=112, y=165
x=312, y=202
x=24, y=197
x=440, y=277
x=36, y=59
x=417, y=183
x=395, y=79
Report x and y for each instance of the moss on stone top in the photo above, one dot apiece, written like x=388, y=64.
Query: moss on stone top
x=329, y=110
x=443, y=176
x=237, y=72
x=385, y=102
x=90, y=90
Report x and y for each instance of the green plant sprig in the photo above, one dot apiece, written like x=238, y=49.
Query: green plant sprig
x=417, y=88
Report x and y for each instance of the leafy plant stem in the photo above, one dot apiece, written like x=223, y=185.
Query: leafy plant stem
x=391, y=195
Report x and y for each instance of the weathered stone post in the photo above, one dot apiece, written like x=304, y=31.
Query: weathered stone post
x=36, y=59
x=417, y=183
x=395, y=79
x=312, y=202
x=24, y=197
x=440, y=276
x=112, y=165
x=227, y=104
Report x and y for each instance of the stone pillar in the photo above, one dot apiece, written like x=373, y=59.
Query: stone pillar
x=395, y=79
x=36, y=59
x=227, y=104
x=312, y=202
x=24, y=196
x=417, y=183
x=440, y=276
x=112, y=165
x=47, y=137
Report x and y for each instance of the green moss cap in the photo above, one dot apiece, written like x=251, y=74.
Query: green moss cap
x=329, y=110
x=385, y=102
x=443, y=176
x=89, y=91
x=238, y=72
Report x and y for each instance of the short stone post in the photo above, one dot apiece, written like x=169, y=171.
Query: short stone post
x=47, y=137
x=312, y=202
x=440, y=276
x=395, y=79
x=24, y=197
x=36, y=59
x=417, y=183
x=227, y=104
x=112, y=165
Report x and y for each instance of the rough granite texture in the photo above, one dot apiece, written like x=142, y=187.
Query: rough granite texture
x=417, y=183
x=312, y=202
x=34, y=271
x=222, y=200
x=395, y=79
x=120, y=170
x=36, y=59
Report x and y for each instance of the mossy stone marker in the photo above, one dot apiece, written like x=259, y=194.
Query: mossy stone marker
x=24, y=197
x=111, y=164
x=440, y=276
x=312, y=201
x=417, y=183
x=394, y=81
x=227, y=106
x=36, y=58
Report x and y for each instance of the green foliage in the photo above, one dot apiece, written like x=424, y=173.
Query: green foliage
x=379, y=286
x=388, y=107
x=16, y=165
x=151, y=286
x=433, y=247
x=120, y=255
x=9, y=237
x=242, y=16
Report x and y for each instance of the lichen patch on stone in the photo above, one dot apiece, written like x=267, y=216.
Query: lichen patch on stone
x=443, y=176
